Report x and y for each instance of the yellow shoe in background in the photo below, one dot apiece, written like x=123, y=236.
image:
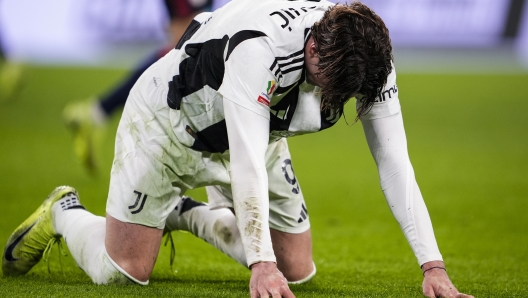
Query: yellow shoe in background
x=11, y=80
x=80, y=118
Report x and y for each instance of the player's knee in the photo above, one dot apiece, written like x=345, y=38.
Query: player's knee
x=127, y=272
x=107, y=271
x=298, y=271
x=307, y=276
x=132, y=248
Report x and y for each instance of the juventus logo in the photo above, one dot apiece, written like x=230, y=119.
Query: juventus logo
x=137, y=202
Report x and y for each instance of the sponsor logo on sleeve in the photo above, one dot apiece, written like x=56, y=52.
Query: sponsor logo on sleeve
x=264, y=97
x=271, y=87
x=387, y=94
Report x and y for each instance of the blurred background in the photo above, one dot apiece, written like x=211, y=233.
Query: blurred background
x=428, y=35
x=463, y=83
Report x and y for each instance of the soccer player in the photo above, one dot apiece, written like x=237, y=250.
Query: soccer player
x=215, y=112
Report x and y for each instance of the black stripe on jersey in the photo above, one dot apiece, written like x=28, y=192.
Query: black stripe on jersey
x=288, y=104
x=189, y=32
x=212, y=139
x=277, y=71
x=204, y=66
x=307, y=34
x=293, y=68
x=278, y=74
x=281, y=113
x=279, y=63
x=293, y=55
x=296, y=60
x=273, y=65
x=240, y=37
x=284, y=67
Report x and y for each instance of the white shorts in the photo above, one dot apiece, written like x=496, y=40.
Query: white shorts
x=152, y=169
x=288, y=212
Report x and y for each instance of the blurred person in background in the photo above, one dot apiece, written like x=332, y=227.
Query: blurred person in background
x=11, y=76
x=87, y=118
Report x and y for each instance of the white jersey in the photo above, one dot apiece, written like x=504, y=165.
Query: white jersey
x=256, y=62
x=239, y=72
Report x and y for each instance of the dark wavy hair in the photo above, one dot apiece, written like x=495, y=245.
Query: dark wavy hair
x=355, y=55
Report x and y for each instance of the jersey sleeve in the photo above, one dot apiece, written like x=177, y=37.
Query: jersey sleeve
x=246, y=107
x=248, y=80
x=386, y=138
x=387, y=103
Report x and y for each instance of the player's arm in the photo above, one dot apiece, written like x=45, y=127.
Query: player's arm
x=248, y=140
x=247, y=123
x=385, y=134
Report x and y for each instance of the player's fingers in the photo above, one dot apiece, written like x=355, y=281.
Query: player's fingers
x=287, y=293
x=462, y=295
x=253, y=293
x=279, y=292
x=263, y=293
x=272, y=292
x=429, y=292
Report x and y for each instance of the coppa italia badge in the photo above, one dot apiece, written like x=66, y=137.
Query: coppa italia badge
x=264, y=98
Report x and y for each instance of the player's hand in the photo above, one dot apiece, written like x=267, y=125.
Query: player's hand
x=267, y=281
x=437, y=284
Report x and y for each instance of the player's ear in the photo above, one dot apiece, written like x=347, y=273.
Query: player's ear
x=311, y=49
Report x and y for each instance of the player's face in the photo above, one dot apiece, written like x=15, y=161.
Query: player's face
x=311, y=59
x=312, y=74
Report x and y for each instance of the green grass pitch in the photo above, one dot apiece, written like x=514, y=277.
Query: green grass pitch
x=468, y=141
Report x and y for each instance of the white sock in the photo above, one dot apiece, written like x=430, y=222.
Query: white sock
x=84, y=233
x=216, y=227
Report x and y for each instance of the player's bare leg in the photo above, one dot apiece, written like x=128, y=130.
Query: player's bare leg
x=294, y=255
x=134, y=248
x=218, y=228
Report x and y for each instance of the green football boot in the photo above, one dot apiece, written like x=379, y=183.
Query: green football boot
x=26, y=246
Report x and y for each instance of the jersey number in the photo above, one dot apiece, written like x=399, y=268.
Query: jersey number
x=287, y=170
